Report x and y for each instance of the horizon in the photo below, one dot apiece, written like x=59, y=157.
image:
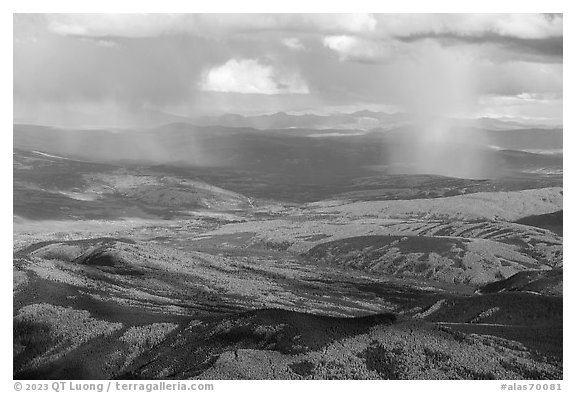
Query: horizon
x=526, y=122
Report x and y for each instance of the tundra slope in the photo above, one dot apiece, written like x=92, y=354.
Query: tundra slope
x=438, y=239
x=155, y=273
x=134, y=309
x=133, y=299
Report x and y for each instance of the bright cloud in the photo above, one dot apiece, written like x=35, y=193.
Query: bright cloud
x=250, y=77
x=293, y=43
x=357, y=49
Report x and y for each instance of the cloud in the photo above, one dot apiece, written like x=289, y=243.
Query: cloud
x=501, y=48
x=153, y=25
x=522, y=26
x=373, y=26
x=357, y=49
x=248, y=76
x=116, y=25
x=528, y=26
x=350, y=23
x=533, y=37
x=293, y=43
x=201, y=62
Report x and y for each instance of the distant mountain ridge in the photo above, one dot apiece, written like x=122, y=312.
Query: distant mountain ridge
x=364, y=120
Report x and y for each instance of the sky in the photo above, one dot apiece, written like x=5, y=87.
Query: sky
x=126, y=69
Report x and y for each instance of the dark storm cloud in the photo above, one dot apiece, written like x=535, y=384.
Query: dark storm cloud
x=547, y=49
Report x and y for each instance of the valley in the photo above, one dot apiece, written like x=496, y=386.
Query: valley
x=312, y=263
